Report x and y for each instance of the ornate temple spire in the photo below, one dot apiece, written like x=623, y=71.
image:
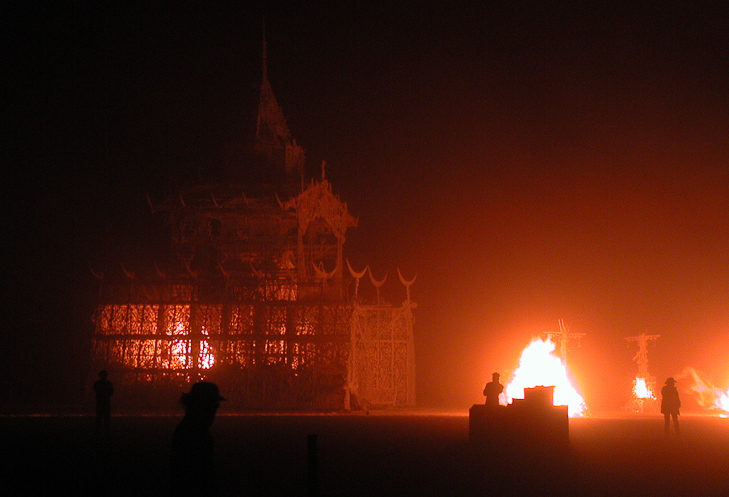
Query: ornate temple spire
x=273, y=135
x=272, y=130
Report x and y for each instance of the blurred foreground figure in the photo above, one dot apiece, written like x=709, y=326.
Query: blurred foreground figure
x=492, y=390
x=670, y=405
x=104, y=389
x=193, y=454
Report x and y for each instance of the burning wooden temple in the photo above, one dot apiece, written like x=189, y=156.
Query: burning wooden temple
x=258, y=296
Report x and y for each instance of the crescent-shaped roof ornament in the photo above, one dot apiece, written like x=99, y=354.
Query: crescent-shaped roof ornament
x=215, y=202
x=190, y=271
x=98, y=276
x=128, y=274
x=318, y=270
x=321, y=272
x=258, y=274
x=280, y=204
x=222, y=270
x=404, y=281
x=354, y=273
x=182, y=201
x=160, y=273
x=376, y=283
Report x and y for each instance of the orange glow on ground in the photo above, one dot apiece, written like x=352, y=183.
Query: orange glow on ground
x=539, y=366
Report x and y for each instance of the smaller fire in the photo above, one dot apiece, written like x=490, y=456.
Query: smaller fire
x=707, y=394
x=641, y=390
x=722, y=400
x=181, y=350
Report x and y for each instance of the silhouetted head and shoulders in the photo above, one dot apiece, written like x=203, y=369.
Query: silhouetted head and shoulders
x=670, y=401
x=493, y=389
x=193, y=451
x=103, y=388
x=670, y=388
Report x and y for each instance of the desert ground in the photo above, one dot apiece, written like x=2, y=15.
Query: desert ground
x=422, y=453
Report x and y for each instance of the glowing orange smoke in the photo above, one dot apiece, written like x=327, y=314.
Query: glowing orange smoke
x=707, y=394
x=539, y=366
x=641, y=390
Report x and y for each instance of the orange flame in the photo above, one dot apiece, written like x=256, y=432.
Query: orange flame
x=181, y=350
x=722, y=400
x=641, y=390
x=539, y=366
x=707, y=394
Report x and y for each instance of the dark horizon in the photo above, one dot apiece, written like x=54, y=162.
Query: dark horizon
x=529, y=163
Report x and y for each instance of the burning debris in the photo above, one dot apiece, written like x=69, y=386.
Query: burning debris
x=709, y=396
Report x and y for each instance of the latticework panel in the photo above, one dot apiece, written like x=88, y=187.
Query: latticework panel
x=263, y=355
x=382, y=366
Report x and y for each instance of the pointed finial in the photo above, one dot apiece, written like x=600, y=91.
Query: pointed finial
x=265, y=50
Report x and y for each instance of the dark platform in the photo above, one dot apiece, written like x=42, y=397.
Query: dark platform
x=529, y=422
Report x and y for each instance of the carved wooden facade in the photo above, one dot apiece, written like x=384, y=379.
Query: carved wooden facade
x=254, y=297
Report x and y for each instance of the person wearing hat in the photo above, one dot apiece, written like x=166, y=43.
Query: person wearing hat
x=193, y=452
x=492, y=390
x=670, y=405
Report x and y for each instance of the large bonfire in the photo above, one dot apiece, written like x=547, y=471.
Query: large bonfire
x=539, y=366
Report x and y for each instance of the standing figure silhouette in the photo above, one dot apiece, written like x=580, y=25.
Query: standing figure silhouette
x=193, y=451
x=492, y=390
x=670, y=405
x=103, y=389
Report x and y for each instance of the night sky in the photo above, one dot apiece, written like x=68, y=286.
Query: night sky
x=529, y=162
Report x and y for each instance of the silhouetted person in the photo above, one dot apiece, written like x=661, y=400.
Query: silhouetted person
x=193, y=454
x=670, y=405
x=492, y=390
x=104, y=389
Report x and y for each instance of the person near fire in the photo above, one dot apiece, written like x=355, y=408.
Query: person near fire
x=193, y=454
x=670, y=405
x=492, y=390
x=104, y=389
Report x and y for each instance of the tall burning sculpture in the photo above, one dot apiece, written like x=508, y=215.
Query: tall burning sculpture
x=255, y=297
x=643, y=397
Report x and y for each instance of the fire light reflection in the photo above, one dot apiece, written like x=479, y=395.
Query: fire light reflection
x=539, y=366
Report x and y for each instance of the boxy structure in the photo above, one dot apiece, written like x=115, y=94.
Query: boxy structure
x=255, y=296
x=530, y=422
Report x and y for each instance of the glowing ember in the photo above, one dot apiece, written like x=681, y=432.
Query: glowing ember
x=641, y=390
x=181, y=350
x=539, y=366
x=206, y=360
